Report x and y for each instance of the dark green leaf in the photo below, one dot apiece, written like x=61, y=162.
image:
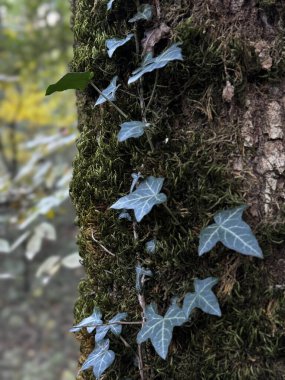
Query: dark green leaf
x=71, y=81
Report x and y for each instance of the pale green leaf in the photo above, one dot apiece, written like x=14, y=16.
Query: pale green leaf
x=160, y=329
x=131, y=129
x=114, y=43
x=173, y=53
x=100, y=358
x=232, y=231
x=203, y=298
x=145, y=13
x=109, y=92
x=143, y=199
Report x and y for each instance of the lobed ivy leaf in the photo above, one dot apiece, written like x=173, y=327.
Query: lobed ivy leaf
x=143, y=199
x=109, y=5
x=100, y=358
x=150, y=246
x=90, y=322
x=140, y=273
x=159, y=329
x=232, y=231
x=131, y=129
x=114, y=43
x=71, y=81
x=116, y=329
x=173, y=53
x=203, y=298
x=145, y=12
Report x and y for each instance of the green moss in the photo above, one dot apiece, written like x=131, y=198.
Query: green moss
x=246, y=342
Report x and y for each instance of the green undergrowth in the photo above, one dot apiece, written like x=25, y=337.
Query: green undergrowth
x=193, y=148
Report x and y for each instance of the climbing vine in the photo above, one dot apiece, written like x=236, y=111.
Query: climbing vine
x=144, y=194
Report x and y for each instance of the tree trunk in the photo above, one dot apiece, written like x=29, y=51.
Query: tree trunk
x=218, y=135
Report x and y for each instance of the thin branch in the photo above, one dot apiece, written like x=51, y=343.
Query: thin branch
x=102, y=246
x=109, y=101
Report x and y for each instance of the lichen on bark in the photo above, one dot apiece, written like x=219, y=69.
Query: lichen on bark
x=201, y=149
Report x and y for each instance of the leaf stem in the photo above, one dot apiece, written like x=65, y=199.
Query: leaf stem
x=109, y=101
x=174, y=218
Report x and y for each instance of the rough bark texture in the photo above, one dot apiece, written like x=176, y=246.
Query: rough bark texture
x=219, y=141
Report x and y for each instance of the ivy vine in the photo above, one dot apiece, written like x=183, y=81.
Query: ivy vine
x=145, y=193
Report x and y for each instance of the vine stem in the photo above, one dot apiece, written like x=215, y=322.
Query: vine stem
x=112, y=323
x=109, y=101
x=174, y=217
x=141, y=94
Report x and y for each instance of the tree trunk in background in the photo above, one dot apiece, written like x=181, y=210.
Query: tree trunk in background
x=219, y=142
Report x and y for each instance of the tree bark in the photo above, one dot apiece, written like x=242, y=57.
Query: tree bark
x=218, y=121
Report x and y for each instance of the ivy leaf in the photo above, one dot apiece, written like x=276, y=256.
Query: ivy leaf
x=140, y=273
x=71, y=81
x=125, y=215
x=144, y=198
x=145, y=12
x=131, y=129
x=109, y=92
x=150, y=246
x=100, y=358
x=136, y=177
x=159, y=329
x=232, y=231
x=90, y=322
x=203, y=298
x=173, y=53
x=116, y=329
x=114, y=43
x=109, y=5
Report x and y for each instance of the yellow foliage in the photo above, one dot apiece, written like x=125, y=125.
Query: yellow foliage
x=28, y=104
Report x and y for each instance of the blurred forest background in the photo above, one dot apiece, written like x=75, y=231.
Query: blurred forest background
x=39, y=269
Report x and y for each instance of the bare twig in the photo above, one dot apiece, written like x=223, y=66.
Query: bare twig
x=109, y=101
x=102, y=246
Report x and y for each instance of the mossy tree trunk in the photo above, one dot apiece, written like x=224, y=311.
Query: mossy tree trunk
x=219, y=142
